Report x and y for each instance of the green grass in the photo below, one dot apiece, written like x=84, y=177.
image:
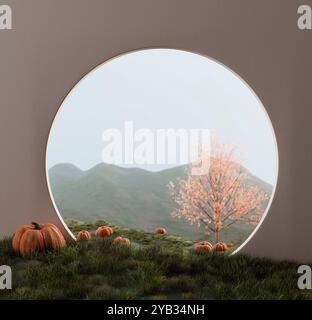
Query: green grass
x=153, y=267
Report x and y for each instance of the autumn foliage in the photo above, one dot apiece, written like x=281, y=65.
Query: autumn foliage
x=220, y=197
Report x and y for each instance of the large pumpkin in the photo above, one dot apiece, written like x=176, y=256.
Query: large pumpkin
x=122, y=240
x=220, y=246
x=84, y=235
x=160, y=230
x=104, y=231
x=37, y=237
x=203, y=246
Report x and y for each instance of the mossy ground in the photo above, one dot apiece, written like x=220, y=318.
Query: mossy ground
x=153, y=267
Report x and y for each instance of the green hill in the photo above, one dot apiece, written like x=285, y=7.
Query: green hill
x=132, y=198
x=152, y=267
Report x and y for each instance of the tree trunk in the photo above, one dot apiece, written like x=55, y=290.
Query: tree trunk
x=217, y=236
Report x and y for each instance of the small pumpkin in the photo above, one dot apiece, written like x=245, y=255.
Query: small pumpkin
x=203, y=246
x=122, y=240
x=220, y=246
x=84, y=235
x=104, y=231
x=230, y=244
x=161, y=230
x=36, y=237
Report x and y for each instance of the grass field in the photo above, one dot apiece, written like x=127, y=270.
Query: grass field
x=153, y=267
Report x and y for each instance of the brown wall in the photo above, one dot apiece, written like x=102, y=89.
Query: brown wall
x=54, y=43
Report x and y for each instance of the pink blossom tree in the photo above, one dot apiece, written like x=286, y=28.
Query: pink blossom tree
x=220, y=197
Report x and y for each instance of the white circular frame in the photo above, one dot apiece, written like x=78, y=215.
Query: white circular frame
x=189, y=51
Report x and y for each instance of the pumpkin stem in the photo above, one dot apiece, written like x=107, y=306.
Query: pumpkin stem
x=36, y=225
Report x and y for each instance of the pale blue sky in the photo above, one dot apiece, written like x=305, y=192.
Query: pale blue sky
x=162, y=88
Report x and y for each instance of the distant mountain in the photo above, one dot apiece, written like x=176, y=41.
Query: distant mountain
x=129, y=197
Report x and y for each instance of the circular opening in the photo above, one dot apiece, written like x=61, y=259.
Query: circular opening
x=163, y=138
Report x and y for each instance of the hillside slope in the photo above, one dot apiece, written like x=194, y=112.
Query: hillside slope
x=152, y=267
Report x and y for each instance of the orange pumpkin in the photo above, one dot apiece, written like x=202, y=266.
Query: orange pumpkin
x=230, y=244
x=84, y=235
x=104, y=231
x=160, y=230
x=220, y=246
x=122, y=240
x=203, y=246
x=37, y=237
